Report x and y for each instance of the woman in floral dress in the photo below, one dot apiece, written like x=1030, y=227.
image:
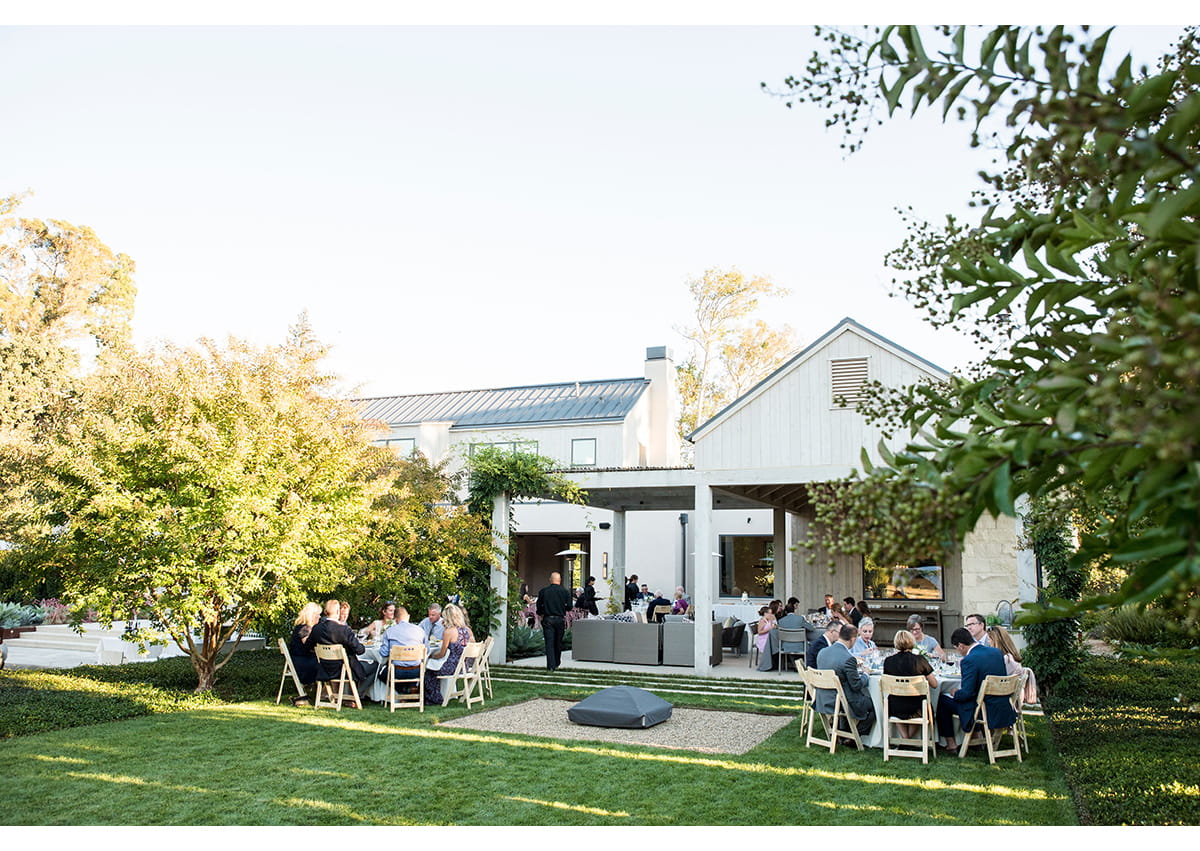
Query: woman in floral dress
x=454, y=640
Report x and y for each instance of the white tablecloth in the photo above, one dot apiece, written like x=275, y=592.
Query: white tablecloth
x=747, y=613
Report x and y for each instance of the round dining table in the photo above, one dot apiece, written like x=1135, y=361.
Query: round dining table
x=377, y=690
x=949, y=679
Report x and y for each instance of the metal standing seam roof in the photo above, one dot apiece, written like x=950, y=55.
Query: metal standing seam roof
x=511, y=406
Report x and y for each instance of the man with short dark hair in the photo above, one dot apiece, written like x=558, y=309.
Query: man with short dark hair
x=851, y=611
x=822, y=641
x=978, y=661
x=827, y=609
x=977, y=626
x=552, y=604
x=329, y=630
x=855, y=684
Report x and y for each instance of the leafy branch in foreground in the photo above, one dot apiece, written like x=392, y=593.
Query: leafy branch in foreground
x=1081, y=271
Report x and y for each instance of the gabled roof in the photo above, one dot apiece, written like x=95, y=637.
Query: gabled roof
x=808, y=351
x=536, y=404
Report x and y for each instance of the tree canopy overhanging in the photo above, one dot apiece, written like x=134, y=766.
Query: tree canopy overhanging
x=1080, y=274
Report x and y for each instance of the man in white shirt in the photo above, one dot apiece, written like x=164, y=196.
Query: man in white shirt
x=401, y=634
x=432, y=625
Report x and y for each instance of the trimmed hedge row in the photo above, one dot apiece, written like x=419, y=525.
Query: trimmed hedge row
x=1129, y=739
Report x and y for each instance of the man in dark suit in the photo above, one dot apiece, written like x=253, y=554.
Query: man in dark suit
x=552, y=604
x=851, y=610
x=659, y=600
x=978, y=661
x=855, y=684
x=329, y=630
x=822, y=641
x=631, y=592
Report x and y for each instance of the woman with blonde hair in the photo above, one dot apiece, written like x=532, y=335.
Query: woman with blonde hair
x=1003, y=642
x=905, y=663
x=454, y=640
x=304, y=659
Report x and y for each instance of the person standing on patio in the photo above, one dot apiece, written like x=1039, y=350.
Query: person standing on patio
x=552, y=604
x=631, y=592
x=587, y=600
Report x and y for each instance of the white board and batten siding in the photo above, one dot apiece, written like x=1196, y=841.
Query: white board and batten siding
x=790, y=421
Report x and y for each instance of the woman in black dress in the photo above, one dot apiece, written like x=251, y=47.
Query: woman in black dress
x=304, y=659
x=905, y=663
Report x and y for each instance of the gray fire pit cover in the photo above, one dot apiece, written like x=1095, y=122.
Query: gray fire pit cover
x=621, y=706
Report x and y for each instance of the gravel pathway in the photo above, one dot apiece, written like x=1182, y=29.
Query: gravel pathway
x=701, y=730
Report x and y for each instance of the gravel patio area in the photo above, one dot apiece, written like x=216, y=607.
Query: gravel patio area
x=702, y=730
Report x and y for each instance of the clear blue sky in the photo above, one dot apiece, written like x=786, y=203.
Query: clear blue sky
x=462, y=207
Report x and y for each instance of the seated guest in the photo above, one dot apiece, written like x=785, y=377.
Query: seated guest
x=659, y=600
x=387, y=616
x=329, y=630
x=977, y=626
x=863, y=645
x=905, y=663
x=432, y=626
x=826, y=609
x=766, y=623
x=922, y=641
x=792, y=620
x=853, y=613
x=401, y=633
x=855, y=684
x=1002, y=641
x=344, y=612
x=792, y=605
x=680, y=604
x=644, y=594
x=304, y=660
x=823, y=640
x=863, y=608
x=455, y=637
x=978, y=661
x=776, y=607
x=836, y=613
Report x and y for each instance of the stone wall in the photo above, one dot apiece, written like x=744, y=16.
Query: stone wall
x=989, y=565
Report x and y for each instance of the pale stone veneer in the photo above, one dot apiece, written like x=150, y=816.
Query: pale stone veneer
x=989, y=565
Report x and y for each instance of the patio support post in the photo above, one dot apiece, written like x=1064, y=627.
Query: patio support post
x=783, y=578
x=706, y=580
x=500, y=506
x=616, y=571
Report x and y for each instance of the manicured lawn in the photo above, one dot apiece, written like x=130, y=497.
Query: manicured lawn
x=253, y=762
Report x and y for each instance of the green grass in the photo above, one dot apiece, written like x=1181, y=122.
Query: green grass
x=179, y=758
x=1130, y=750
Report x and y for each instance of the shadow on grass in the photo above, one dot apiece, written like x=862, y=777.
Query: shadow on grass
x=266, y=764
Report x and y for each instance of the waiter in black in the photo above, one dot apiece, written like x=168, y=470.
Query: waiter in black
x=631, y=592
x=552, y=604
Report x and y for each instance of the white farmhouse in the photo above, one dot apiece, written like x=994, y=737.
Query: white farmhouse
x=743, y=504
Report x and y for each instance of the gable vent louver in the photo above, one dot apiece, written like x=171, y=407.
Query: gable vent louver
x=849, y=378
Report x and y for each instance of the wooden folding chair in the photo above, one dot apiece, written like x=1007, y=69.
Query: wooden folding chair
x=791, y=636
x=659, y=611
x=413, y=653
x=289, y=667
x=806, y=711
x=993, y=686
x=1019, y=708
x=465, y=681
x=908, y=687
x=325, y=694
x=822, y=679
x=485, y=666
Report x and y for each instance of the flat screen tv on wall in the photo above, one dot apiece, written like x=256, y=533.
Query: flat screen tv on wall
x=921, y=580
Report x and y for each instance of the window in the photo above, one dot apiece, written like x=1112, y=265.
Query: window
x=402, y=446
x=849, y=378
x=919, y=580
x=747, y=565
x=583, y=452
x=530, y=446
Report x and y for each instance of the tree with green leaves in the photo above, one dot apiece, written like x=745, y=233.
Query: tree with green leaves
x=729, y=354
x=1080, y=271
x=205, y=489
x=63, y=295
